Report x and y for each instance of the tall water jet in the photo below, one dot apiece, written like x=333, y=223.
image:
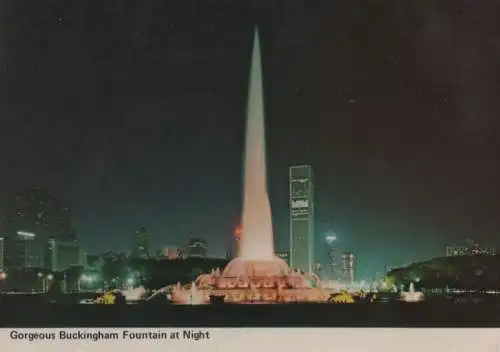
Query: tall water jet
x=256, y=275
x=256, y=253
x=257, y=238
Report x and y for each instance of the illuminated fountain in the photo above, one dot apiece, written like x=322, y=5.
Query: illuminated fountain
x=134, y=294
x=256, y=275
x=411, y=295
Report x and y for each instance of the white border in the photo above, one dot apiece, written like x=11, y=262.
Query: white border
x=276, y=340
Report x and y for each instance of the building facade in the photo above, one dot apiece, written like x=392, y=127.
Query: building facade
x=301, y=200
x=61, y=255
x=197, y=248
x=348, y=266
x=22, y=251
x=172, y=252
x=140, y=249
x=32, y=217
x=2, y=255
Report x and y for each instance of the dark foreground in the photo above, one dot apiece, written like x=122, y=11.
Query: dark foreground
x=395, y=314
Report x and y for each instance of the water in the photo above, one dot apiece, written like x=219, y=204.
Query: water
x=194, y=296
x=257, y=237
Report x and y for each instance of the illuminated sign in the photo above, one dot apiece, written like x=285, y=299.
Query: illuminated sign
x=300, y=204
x=25, y=234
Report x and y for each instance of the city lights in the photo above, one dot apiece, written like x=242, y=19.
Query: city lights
x=87, y=278
x=330, y=239
x=25, y=234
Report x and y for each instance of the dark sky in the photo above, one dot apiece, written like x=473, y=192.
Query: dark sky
x=134, y=111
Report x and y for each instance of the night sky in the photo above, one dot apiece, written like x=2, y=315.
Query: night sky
x=134, y=111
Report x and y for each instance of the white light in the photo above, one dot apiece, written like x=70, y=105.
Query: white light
x=130, y=280
x=87, y=278
x=330, y=238
x=25, y=234
x=3, y=276
x=50, y=277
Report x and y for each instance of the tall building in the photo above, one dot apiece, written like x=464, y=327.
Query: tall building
x=348, y=266
x=197, y=248
x=2, y=255
x=301, y=218
x=33, y=217
x=62, y=255
x=141, y=244
x=38, y=212
x=22, y=251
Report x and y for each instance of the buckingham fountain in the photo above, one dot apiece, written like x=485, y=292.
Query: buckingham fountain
x=256, y=275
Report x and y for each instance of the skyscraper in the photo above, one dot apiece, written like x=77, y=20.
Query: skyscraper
x=197, y=248
x=348, y=266
x=301, y=218
x=2, y=255
x=32, y=218
x=61, y=255
x=140, y=250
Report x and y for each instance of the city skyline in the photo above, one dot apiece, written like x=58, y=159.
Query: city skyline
x=403, y=145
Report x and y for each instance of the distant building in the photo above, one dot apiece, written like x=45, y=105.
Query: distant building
x=172, y=252
x=22, y=251
x=32, y=217
x=454, y=251
x=197, y=248
x=285, y=256
x=2, y=254
x=38, y=212
x=301, y=201
x=62, y=255
x=140, y=249
x=348, y=266
x=93, y=260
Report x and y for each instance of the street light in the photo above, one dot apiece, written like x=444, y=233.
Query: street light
x=44, y=280
x=3, y=275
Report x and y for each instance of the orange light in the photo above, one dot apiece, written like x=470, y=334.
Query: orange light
x=238, y=231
